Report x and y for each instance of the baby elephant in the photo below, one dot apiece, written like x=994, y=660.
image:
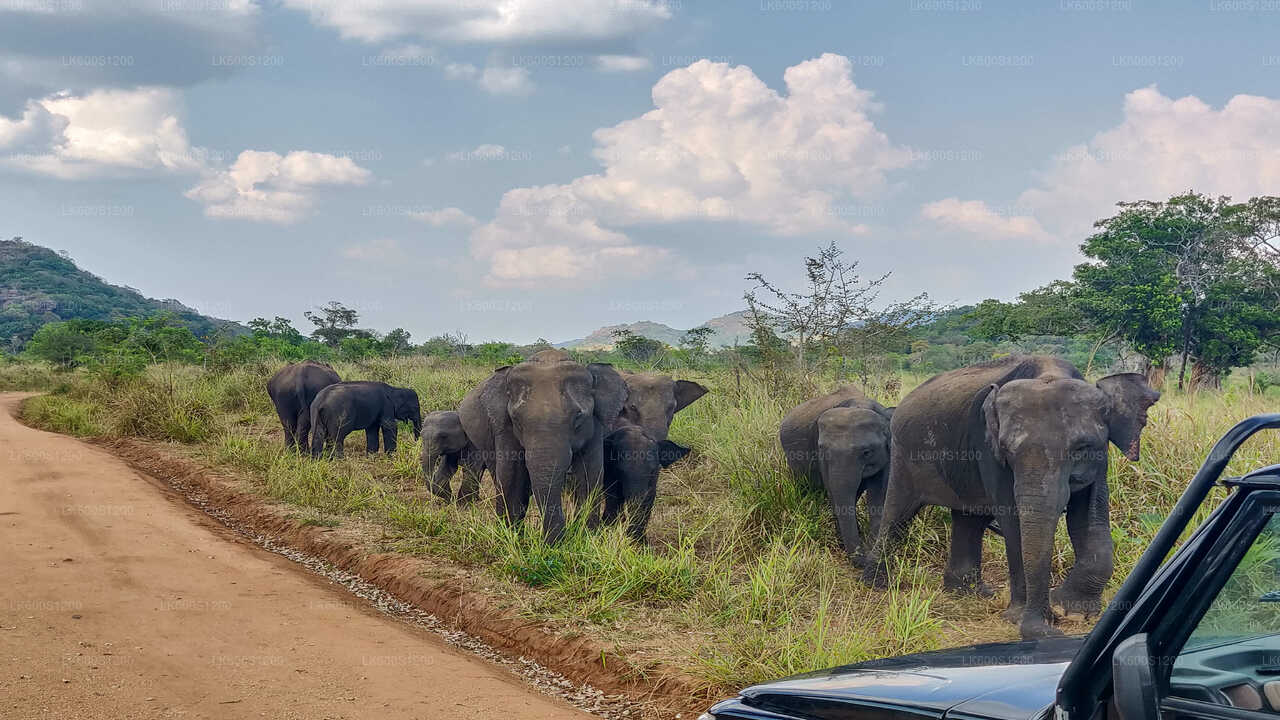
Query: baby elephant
x=632, y=459
x=343, y=408
x=444, y=447
x=840, y=443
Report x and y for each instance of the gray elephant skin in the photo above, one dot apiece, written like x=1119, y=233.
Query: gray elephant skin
x=840, y=443
x=445, y=448
x=1022, y=440
x=374, y=407
x=638, y=448
x=536, y=422
x=292, y=389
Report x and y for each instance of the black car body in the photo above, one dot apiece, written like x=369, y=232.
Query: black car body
x=1140, y=662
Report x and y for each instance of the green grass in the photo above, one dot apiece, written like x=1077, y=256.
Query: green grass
x=744, y=579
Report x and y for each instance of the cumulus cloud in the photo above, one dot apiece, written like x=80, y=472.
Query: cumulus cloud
x=267, y=186
x=450, y=216
x=1162, y=146
x=487, y=21
x=978, y=218
x=100, y=133
x=493, y=79
x=718, y=145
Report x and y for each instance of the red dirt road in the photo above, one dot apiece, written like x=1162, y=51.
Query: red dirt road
x=118, y=600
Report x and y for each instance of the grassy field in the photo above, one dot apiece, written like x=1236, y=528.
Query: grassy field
x=744, y=579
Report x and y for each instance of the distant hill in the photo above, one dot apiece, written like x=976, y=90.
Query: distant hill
x=728, y=328
x=38, y=286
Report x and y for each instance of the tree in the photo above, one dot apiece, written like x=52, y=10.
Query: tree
x=1050, y=310
x=637, y=348
x=396, y=342
x=65, y=344
x=836, y=311
x=1193, y=276
x=280, y=328
x=334, y=323
x=697, y=341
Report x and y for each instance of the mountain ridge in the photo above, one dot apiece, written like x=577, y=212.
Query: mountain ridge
x=729, y=329
x=38, y=286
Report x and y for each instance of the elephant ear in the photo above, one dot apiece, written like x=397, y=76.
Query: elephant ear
x=610, y=392
x=669, y=452
x=1129, y=397
x=686, y=392
x=991, y=422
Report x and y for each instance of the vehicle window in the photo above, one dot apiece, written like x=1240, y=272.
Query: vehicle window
x=1233, y=655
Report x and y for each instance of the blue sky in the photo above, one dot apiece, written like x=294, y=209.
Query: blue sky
x=533, y=168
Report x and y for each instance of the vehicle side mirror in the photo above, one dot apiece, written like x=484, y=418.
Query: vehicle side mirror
x=1132, y=681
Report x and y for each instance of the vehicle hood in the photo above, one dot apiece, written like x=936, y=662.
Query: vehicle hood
x=1004, y=681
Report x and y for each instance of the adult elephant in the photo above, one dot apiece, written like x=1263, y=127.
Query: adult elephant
x=1022, y=439
x=374, y=407
x=535, y=422
x=292, y=389
x=637, y=446
x=840, y=443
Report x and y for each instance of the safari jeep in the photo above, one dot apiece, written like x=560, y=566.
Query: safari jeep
x=1196, y=637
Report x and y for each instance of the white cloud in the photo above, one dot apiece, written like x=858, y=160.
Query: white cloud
x=494, y=79
x=101, y=133
x=1162, y=147
x=265, y=186
x=486, y=21
x=976, y=217
x=446, y=217
x=718, y=145
x=622, y=63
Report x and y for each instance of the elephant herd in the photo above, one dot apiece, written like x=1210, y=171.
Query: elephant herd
x=540, y=427
x=1010, y=445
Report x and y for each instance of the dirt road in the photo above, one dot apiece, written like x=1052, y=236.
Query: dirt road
x=118, y=600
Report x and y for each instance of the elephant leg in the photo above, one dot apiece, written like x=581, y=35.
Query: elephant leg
x=874, y=488
x=289, y=422
x=340, y=442
x=1012, y=533
x=371, y=439
x=444, y=468
x=613, y=489
x=472, y=470
x=1040, y=503
x=900, y=508
x=964, y=567
x=389, y=432
x=302, y=429
x=588, y=474
x=1089, y=525
x=318, y=435
x=511, y=477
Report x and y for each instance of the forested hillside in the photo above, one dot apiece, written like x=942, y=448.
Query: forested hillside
x=38, y=286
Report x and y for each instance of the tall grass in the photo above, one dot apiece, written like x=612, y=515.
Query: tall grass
x=744, y=579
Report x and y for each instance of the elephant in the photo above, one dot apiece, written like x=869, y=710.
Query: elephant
x=840, y=443
x=632, y=460
x=1021, y=439
x=445, y=447
x=652, y=401
x=536, y=422
x=637, y=447
x=292, y=389
x=345, y=407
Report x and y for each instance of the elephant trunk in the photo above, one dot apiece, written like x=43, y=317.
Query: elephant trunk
x=417, y=429
x=842, y=475
x=547, y=466
x=1040, y=494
